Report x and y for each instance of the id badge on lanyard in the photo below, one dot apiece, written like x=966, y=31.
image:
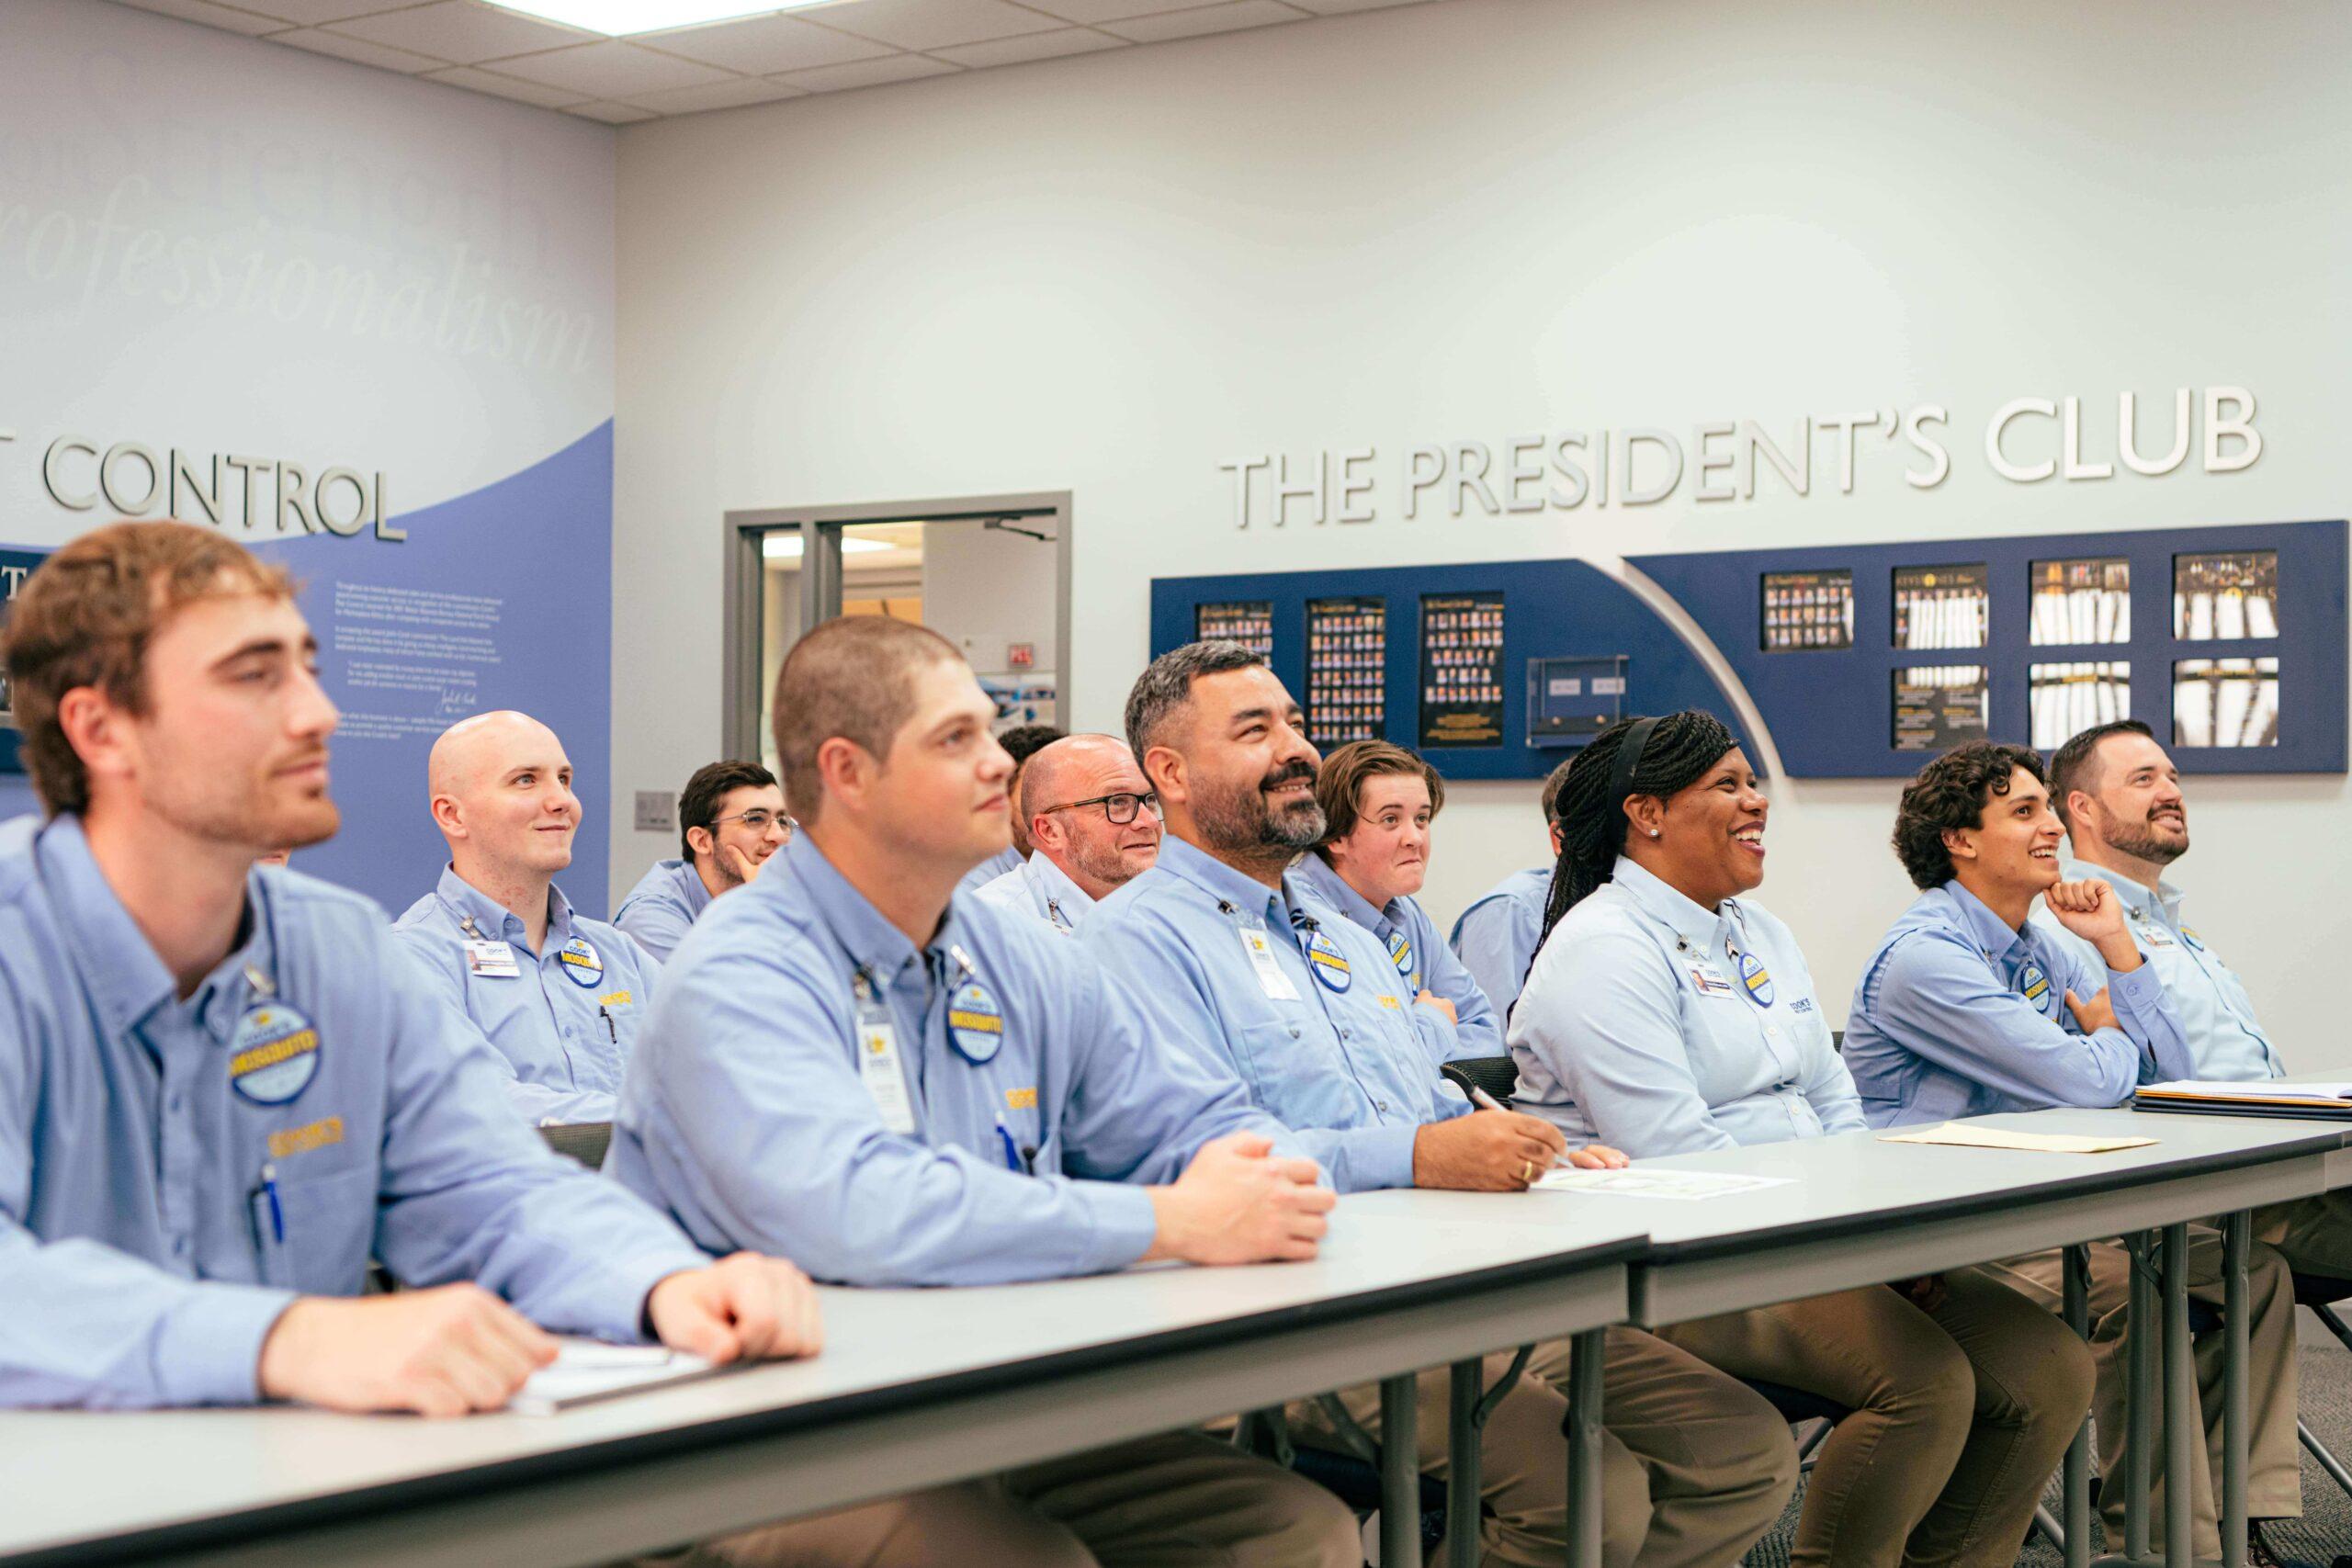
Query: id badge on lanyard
x=1260, y=948
x=879, y=1065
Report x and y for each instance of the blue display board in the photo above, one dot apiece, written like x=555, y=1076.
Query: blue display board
x=1551, y=609
x=1828, y=699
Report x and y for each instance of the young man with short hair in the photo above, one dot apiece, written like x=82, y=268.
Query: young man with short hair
x=731, y=819
x=1227, y=954
x=1094, y=828
x=902, y=1090
x=559, y=995
x=220, y=1093
x=1968, y=1006
x=1021, y=743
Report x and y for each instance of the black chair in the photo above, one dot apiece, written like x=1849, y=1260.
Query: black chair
x=1499, y=1076
x=1356, y=1483
x=584, y=1140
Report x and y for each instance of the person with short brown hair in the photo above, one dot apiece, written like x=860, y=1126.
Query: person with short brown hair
x=1378, y=801
x=730, y=821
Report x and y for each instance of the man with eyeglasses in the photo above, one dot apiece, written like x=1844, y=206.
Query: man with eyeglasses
x=731, y=819
x=560, y=995
x=1093, y=826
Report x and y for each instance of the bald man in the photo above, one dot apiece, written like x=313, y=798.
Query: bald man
x=1093, y=826
x=559, y=995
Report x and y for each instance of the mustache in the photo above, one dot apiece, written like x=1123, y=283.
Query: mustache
x=1290, y=772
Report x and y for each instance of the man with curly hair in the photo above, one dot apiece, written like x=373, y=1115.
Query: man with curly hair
x=1968, y=1008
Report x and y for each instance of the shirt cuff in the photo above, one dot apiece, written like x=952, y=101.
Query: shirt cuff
x=1385, y=1157
x=1121, y=1224
x=2136, y=996
x=209, y=1349
x=621, y=1316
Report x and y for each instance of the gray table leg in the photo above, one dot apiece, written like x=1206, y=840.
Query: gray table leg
x=1585, y=1370
x=1400, y=1472
x=2078, y=1493
x=2184, y=1427
x=2236, y=1240
x=2139, y=1402
x=1462, y=1480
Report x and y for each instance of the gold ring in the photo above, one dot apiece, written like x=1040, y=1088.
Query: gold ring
x=1527, y=1171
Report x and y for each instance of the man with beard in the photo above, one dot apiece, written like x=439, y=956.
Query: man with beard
x=559, y=995
x=1968, y=1006
x=731, y=819
x=1224, y=953
x=1094, y=828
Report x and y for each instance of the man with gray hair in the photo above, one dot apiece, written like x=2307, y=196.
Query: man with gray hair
x=1094, y=828
x=1221, y=949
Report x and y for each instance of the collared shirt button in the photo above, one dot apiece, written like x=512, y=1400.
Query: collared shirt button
x=178, y=1104
x=179, y=1246
x=1294, y=1031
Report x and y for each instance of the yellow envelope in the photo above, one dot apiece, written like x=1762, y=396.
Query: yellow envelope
x=1952, y=1133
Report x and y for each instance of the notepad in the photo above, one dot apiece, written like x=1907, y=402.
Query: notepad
x=1958, y=1136
x=585, y=1371
x=1649, y=1182
x=2267, y=1092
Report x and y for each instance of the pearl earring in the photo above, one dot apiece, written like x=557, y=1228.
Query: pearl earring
x=1653, y=832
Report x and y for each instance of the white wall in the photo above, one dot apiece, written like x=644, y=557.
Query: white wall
x=1476, y=219
x=983, y=587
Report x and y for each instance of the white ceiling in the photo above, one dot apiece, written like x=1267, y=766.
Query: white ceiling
x=823, y=49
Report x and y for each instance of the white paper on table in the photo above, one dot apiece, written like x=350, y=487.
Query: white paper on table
x=585, y=1371
x=2268, y=1089
x=1649, y=1182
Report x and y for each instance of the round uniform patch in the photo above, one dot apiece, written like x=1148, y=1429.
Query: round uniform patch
x=1756, y=978
x=2035, y=984
x=2188, y=934
x=975, y=1023
x=1330, y=965
x=273, y=1054
x=581, y=964
x=1400, y=951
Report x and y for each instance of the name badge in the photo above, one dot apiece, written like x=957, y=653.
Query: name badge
x=1708, y=980
x=273, y=1054
x=2035, y=985
x=1270, y=978
x=492, y=960
x=1329, y=964
x=581, y=964
x=1756, y=978
x=1400, y=952
x=975, y=1023
x=2155, y=935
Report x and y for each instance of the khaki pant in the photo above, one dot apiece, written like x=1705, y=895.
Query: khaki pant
x=1693, y=1466
x=2274, y=1471
x=1179, y=1501
x=1960, y=1412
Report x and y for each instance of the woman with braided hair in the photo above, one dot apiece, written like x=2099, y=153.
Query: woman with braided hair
x=1664, y=1014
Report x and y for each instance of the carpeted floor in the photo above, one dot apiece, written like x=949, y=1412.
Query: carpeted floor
x=2314, y=1542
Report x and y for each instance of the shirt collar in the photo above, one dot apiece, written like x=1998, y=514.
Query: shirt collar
x=1685, y=916
x=1055, y=883
x=122, y=973
x=1987, y=931
x=1318, y=873
x=872, y=942
x=494, y=919
x=2136, y=897
x=1221, y=882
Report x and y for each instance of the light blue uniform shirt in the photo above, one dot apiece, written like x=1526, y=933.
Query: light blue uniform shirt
x=2225, y=1040
x=141, y=1258
x=1038, y=887
x=663, y=906
x=1004, y=859
x=1497, y=935
x=1660, y=1027
x=1422, y=962
x=564, y=1019
x=1958, y=1015
x=745, y=1113
x=1338, y=1060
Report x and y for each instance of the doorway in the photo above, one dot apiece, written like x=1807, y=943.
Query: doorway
x=989, y=573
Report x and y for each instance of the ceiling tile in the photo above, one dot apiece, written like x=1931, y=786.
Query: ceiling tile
x=359, y=51
x=1204, y=19
x=211, y=16
x=462, y=31
x=1105, y=10
x=1030, y=46
x=310, y=12
x=612, y=114
x=610, y=70
x=765, y=45
x=868, y=73
x=716, y=95
x=1340, y=7
x=934, y=24
x=521, y=92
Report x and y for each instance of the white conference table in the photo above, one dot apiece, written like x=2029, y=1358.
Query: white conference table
x=915, y=1388
x=1858, y=1210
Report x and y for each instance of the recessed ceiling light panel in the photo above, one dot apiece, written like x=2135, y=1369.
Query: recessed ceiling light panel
x=618, y=18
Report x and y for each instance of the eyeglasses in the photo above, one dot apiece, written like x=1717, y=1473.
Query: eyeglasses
x=759, y=819
x=1119, y=808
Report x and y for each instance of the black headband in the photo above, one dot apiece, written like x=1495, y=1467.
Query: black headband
x=1629, y=757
